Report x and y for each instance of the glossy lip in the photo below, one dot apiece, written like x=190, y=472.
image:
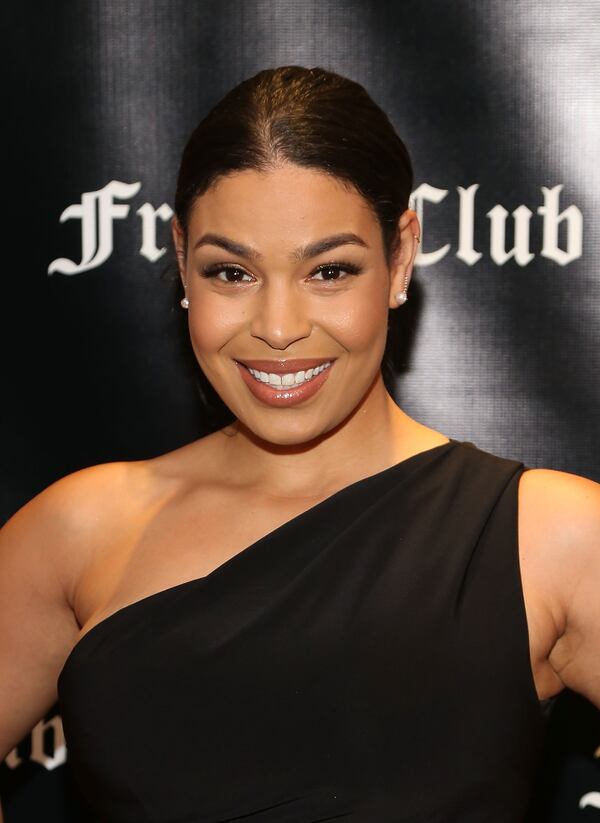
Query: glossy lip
x=283, y=396
x=285, y=366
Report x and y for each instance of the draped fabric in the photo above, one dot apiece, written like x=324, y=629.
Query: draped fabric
x=367, y=660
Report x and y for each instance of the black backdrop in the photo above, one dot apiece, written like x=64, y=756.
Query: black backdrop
x=498, y=102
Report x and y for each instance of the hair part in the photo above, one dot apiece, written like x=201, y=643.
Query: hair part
x=309, y=117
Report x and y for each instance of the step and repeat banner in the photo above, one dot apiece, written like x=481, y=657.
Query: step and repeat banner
x=499, y=105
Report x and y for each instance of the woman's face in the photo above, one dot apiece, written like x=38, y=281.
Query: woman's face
x=285, y=272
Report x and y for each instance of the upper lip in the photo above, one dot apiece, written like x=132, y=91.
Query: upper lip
x=285, y=366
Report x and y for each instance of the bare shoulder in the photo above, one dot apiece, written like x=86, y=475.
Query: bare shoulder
x=63, y=520
x=86, y=502
x=47, y=548
x=559, y=523
x=562, y=500
x=43, y=547
x=62, y=527
x=58, y=516
x=559, y=538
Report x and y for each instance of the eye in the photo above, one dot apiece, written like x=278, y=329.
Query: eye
x=227, y=274
x=335, y=271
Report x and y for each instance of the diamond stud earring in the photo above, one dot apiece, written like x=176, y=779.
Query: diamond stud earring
x=185, y=303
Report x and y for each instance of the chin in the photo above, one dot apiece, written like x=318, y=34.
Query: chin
x=286, y=433
x=286, y=428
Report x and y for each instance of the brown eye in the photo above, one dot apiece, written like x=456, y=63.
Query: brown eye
x=335, y=271
x=227, y=274
x=328, y=273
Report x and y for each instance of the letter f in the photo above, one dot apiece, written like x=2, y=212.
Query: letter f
x=97, y=211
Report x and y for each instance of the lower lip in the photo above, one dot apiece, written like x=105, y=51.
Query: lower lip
x=285, y=395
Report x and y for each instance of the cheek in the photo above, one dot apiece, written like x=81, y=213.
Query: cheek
x=360, y=325
x=212, y=322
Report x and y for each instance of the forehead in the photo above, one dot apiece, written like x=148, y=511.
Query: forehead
x=284, y=205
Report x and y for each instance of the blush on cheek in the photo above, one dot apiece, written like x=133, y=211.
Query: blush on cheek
x=361, y=327
x=210, y=329
x=207, y=337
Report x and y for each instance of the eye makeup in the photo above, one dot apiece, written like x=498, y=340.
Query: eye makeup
x=235, y=274
x=339, y=267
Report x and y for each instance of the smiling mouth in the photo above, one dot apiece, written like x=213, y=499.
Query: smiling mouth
x=285, y=383
x=287, y=379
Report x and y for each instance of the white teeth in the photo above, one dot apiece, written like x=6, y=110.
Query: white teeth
x=290, y=378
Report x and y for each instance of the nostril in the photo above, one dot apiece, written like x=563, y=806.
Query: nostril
x=280, y=339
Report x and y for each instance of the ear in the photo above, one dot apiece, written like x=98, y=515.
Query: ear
x=403, y=260
x=179, y=243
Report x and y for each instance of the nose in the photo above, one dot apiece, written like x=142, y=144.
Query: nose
x=280, y=317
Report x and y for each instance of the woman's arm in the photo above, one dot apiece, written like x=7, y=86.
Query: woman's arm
x=44, y=549
x=37, y=625
x=559, y=527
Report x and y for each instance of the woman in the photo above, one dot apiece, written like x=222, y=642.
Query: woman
x=324, y=608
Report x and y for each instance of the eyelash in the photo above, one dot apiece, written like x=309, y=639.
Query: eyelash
x=217, y=268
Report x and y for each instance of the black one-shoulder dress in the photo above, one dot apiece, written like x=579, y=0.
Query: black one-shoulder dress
x=366, y=661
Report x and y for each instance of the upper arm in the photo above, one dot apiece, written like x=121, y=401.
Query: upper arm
x=561, y=530
x=43, y=548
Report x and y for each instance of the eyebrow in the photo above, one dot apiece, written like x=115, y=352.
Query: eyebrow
x=299, y=254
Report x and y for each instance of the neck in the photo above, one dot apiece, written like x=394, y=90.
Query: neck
x=376, y=435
